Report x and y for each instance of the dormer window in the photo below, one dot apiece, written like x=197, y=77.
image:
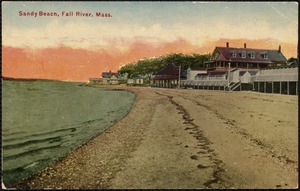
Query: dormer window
x=264, y=55
x=243, y=54
x=252, y=55
x=233, y=54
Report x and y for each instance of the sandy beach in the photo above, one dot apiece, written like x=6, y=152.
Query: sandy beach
x=179, y=138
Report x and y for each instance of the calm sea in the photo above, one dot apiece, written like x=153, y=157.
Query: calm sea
x=43, y=121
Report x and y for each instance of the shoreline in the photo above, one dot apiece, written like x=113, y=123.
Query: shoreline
x=128, y=148
x=38, y=79
x=23, y=183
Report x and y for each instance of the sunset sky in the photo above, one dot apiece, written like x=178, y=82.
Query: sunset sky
x=77, y=48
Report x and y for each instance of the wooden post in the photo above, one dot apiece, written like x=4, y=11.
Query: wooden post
x=228, y=75
x=288, y=88
x=280, y=84
x=297, y=88
x=258, y=86
x=179, y=76
x=272, y=87
x=265, y=87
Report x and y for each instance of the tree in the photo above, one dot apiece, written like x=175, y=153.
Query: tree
x=148, y=67
x=129, y=69
x=292, y=61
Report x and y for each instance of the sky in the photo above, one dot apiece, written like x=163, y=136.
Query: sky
x=76, y=48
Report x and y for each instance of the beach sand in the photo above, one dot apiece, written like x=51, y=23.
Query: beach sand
x=179, y=138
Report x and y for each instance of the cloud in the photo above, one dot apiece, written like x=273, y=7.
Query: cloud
x=94, y=36
x=80, y=64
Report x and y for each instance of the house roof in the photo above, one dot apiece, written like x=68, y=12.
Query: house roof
x=109, y=74
x=227, y=54
x=197, y=68
x=171, y=71
x=252, y=73
x=216, y=71
x=280, y=67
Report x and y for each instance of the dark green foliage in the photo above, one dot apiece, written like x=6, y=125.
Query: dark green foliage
x=150, y=66
x=292, y=61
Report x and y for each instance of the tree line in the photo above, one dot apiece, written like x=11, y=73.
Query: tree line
x=150, y=66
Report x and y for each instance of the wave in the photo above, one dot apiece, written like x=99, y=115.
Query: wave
x=26, y=143
x=23, y=171
x=71, y=128
x=33, y=151
x=26, y=137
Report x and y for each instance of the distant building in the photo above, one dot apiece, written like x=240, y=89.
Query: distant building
x=110, y=75
x=282, y=80
x=236, y=69
x=108, y=78
x=136, y=80
x=167, y=77
x=192, y=72
x=245, y=58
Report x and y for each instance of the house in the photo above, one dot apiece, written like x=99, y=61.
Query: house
x=245, y=57
x=108, y=78
x=110, y=75
x=135, y=80
x=237, y=69
x=168, y=77
x=207, y=78
x=212, y=74
x=192, y=72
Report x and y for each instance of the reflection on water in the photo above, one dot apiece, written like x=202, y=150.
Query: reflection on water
x=42, y=121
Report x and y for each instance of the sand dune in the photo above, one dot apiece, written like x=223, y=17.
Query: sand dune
x=175, y=138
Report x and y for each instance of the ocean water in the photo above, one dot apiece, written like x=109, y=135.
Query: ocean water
x=43, y=121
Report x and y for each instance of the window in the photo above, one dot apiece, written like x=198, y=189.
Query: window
x=252, y=55
x=233, y=53
x=243, y=54
x=264, y=55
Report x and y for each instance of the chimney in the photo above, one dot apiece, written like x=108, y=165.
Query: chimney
x=245, y=46
x=227, y=44
x=279, y=49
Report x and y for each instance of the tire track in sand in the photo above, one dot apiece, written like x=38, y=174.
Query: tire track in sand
x=205, y=152
x=233, y=126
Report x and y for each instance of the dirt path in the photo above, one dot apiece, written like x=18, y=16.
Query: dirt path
x=188, y=139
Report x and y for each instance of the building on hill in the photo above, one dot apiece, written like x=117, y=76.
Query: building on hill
x=245, y=58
